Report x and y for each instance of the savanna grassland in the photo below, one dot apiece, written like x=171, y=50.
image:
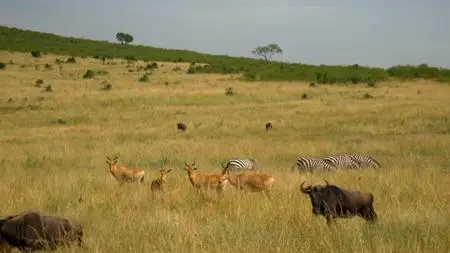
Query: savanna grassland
x=55, y=140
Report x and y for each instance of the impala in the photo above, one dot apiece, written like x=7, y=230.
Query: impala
x=204, y=181
x=124, y=174
x=255, y=182
x=158, y=185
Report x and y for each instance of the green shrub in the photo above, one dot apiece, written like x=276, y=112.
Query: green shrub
x=89, y=74
x=36, y=54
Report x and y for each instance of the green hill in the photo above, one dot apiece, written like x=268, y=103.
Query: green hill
x=18, y=40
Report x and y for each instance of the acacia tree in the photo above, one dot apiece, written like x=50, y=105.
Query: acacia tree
x=124, y=38
x=267, y=51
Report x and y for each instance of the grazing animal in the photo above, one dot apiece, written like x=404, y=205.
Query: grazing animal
x=124, y=174
x=333, y=202
x=365, y=161
x=240, y=164
x=30, y=231
x=255, y=182
x=342, y=162
x=269, y=126
x=312, y=165
x=158, y=185
x=204, y=181
x=181, y=126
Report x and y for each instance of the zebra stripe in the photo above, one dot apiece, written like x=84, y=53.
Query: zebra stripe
x=312, y=164
x=342, y=162
x=241, y=164
x=365, y=161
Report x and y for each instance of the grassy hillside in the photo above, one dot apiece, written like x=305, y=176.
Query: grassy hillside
x=13, y=39
x=54, y=142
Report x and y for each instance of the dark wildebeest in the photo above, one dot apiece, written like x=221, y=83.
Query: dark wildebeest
x=30, y=231
x=181, y=126
x=333, y=202
x=268, y=126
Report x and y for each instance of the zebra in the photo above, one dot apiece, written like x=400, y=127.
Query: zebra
x=240, y=164
x=342, y=162
x=365, y=161
x=312, y=164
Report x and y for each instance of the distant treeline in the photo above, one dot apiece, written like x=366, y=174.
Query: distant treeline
x=18, y=40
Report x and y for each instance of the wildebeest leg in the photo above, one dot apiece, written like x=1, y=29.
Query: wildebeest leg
x=330, y=219
x=26, y=250
x=369, y=214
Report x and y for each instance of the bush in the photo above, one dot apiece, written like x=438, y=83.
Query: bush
x=176, y=69
x=371, y=83
x=71, y=60
x=39, y=82
x=48, y=88
x=151, y=66
x=2, y=66
x=367, y=96
x=106, y=86
x=89, y=74
x=144, y=78
x=36, y=54
x=229, y=91
x=48, y=66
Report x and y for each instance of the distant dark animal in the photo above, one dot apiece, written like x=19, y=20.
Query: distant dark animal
x=181, y=126
x=342, y=162
x=269, y=126
x=312, y=165
x=365, y=161
x=30, y=231
x=333, y=202
x=240, y=164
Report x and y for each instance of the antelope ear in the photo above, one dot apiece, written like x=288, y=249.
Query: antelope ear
x=195, y=168
x=169, y=170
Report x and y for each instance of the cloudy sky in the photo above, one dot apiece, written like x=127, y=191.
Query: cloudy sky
x=368, y=32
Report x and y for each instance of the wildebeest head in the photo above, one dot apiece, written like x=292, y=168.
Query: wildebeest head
x=318, y=194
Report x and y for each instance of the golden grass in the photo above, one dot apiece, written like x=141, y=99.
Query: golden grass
x=54, y=144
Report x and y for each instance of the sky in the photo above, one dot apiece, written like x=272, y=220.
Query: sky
x=377, y=33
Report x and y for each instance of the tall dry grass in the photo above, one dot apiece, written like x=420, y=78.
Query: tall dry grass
x=54, y=146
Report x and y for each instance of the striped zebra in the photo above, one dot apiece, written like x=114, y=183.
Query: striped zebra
x=312, y=164
x=342, y=162
x=365, y=161
x=240, y=164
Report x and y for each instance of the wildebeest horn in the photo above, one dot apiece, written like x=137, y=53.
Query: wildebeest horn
x=326, y=182
x=305, y=190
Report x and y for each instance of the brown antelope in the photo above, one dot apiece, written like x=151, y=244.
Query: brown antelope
x=158, y=185
x=124, y=174
x=204, y=181
x=255, y=182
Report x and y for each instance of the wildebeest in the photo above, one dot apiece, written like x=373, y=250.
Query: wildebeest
x=268, y=126
x=181, y=126
x=30, y=231
x=333, y=202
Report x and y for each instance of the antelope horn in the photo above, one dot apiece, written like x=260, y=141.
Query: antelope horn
x=326, y=182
